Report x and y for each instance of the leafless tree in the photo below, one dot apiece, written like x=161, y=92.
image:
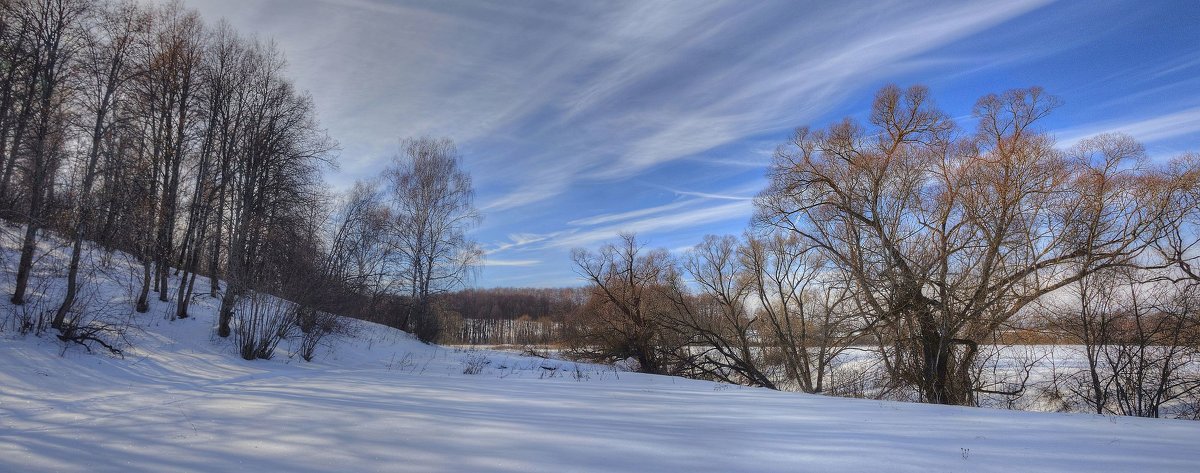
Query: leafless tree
x=626, y=317
x=359, y=256
x=22, y=56
x=55, y=36
x=945, y=240
x=432, y=209
x=186, y=145
x=723, y=334
x=1139, y=333
x=808, y=313
x=275, y=173
x=264, y=321
x=1179, y=245
x=105, y=68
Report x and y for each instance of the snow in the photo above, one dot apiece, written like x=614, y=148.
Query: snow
x=377, y=400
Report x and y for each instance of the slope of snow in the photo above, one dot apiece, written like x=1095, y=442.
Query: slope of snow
x=181, y=400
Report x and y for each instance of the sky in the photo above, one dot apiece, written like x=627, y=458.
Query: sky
x=581, y=119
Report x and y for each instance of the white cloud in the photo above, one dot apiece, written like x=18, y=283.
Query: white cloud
x=548, y=99
x=617, y=217
x=518, y=240
x=658, y=223
x=583, y=91
x=1146, y=130
x=522, y=262
x=800, y=74
x=609, y=89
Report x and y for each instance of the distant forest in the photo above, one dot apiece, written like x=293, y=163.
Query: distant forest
x=510, y=316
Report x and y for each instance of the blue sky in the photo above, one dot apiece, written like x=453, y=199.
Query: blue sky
x=581, y=119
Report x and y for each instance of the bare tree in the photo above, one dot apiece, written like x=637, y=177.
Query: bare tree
x=223, y=72
x=358, y=258
x=173, y=80
x=807, y=311
x=21, y=55
x=189, y=146
x=723, y=334
x=166, y=98
x=55, y=36
x=1179, y=245
x=432, y=204
x=1139, y=335
x=946, y=240
x=104, y=70
x=1088, y=318
x=626, y=315
x=274, y=173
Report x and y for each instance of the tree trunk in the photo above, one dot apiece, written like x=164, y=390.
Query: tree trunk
x=84, y=216
x=944, y=379
x=228, y=300
x=25, y=266
x=143, y=302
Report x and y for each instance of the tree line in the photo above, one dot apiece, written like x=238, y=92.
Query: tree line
x=145, y=130
x=922, y=243
x=509, y=316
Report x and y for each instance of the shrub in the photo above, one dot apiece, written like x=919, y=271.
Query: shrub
x=262, y=322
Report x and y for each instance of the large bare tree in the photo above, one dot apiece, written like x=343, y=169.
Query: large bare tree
x=946, y=239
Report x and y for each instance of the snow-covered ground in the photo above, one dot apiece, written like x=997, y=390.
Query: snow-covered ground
x=181, y=400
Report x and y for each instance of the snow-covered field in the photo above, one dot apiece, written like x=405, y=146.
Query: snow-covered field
x=181, y=400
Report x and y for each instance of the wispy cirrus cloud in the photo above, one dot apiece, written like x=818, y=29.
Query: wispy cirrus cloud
x=746, y=191
x=578, y=120
x=622, y=216
x=519, y=263
x=640, y=85
x=520, y=240
x=579, y=91
x=698, y=217
x=693, y=210
x=1144, y=129
x=798, y=74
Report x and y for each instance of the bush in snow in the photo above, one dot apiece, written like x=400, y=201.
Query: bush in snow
x=474, y=363
x=314, y=326
x=262, y=321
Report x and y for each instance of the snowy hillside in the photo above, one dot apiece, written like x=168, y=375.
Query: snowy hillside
x=377, y=400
